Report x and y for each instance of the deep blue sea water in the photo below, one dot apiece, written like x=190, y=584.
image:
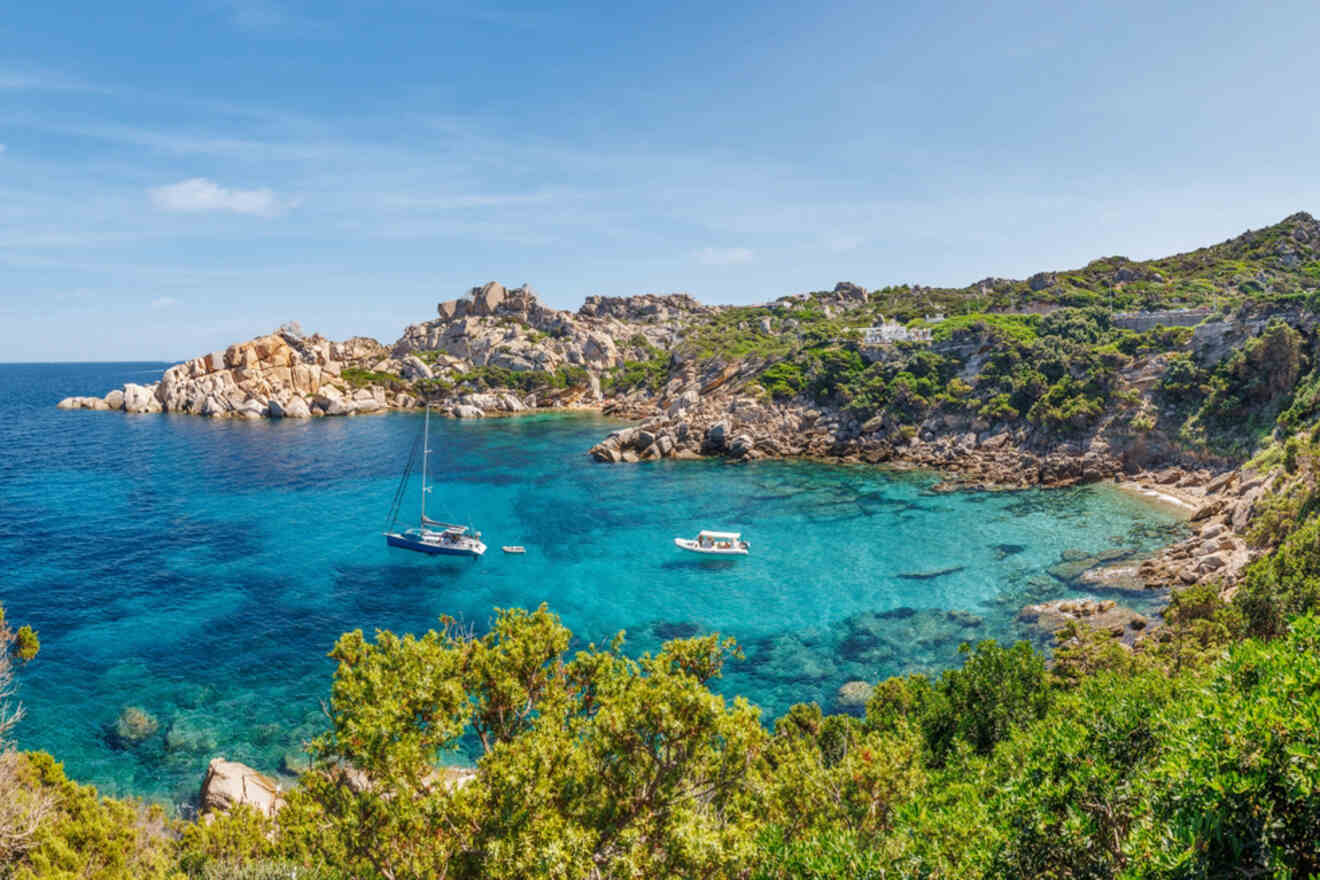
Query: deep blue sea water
x=202, y=569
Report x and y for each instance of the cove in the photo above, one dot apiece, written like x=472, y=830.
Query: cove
x=201, y=570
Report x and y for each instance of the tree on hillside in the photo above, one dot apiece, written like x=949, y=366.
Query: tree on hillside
x=595, y=765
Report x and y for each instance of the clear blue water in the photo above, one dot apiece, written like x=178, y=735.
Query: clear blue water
x=201, y=569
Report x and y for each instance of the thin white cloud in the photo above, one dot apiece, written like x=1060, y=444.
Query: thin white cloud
x=843, y=243
x=725, y=256
x=42, y=81
x=269, y=18
x=164, y=302
x=198, y=195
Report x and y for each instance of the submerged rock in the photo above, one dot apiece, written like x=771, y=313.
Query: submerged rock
x=787, y=657
x=189, y=735
x=1003, y=551
x=1049, y=617
x=675, y=629
x=930, y=575
x=853, y=696
x=294, y=762
x=132, y=727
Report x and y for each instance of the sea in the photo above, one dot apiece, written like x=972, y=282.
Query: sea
x=200, y=570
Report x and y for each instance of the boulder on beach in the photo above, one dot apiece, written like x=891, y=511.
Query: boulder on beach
x=229, y=784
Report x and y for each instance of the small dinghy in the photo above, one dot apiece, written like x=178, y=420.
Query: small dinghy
x=514, y=548
x=715, y=544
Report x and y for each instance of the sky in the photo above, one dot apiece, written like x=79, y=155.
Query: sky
x=176, y=176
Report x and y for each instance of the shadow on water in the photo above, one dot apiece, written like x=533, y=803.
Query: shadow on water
x=930, y=575
x=699, y=564
x=383, y=587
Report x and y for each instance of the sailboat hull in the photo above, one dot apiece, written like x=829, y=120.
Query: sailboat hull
x=469, y=548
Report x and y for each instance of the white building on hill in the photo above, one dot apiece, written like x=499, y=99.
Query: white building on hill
x=889, y=332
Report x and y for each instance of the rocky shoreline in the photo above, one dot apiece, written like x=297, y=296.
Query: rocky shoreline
x=713, y=406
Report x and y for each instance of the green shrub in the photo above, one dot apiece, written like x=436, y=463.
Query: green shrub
x=1020, y=329
x=1066, y=406
x=359, y=378
x=86, y=835
x=995, y=690
x=999, y=409
x=830, y=369
x=783, y=380
x=649, y=375
x=1282, y=584
x=1182, y=379
x=1234, y=791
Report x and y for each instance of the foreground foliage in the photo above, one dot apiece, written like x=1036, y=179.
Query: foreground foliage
x=1195, y=756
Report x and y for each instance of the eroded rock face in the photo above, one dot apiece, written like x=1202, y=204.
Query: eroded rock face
x=278, y=375
x=513, y=329
x=229, y=784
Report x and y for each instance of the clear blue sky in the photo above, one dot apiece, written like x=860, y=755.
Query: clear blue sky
x=179, y=175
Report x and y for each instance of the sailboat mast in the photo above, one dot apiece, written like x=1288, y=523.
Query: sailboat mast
x=426, y=458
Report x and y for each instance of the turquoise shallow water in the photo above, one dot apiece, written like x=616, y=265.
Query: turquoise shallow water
x=201, y=570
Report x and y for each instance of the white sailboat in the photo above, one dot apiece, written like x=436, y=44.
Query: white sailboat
x=429, y=535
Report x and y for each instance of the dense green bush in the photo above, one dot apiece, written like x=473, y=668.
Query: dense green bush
x=783, y=380
x=1284, y=583
x=996, y=690
x=85, y=835
x=489, y=378
x=1234, y=792
x=360, y=378
x=1182, y=380
x=649, y=375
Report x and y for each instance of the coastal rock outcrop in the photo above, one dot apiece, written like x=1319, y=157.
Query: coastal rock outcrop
x=280, y=375
x=1050, y=617
x=85, y=403
x=229, y=784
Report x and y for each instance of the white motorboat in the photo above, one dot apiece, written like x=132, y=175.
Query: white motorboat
x=715, y=544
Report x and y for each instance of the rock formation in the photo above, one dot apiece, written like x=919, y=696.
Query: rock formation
x=229, y=784
x=288, y=375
